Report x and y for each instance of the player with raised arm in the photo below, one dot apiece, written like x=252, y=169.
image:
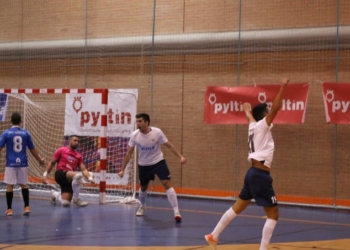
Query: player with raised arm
x=17, y=140
x=151, y=161
x=257, y=181
x=66, y=175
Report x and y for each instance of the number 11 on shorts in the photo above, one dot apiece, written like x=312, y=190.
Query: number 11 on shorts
x=274, y=199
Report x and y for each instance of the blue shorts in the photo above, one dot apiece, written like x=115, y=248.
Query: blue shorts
x=147, y=173
x=258, y=186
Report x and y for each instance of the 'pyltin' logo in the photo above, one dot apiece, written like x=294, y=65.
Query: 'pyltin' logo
x=230, y=106
x=262, y=97
x=329, y=95
x=212, y=98
x=341, y=106
x=77, y=104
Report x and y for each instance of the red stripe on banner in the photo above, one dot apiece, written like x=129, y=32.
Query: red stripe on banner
x=102, y=186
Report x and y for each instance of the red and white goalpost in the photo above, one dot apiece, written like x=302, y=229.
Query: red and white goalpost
x=103, y=118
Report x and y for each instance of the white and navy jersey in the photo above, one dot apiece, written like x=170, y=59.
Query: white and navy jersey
x=260, y=141
x=148, y=145
x=16, y=140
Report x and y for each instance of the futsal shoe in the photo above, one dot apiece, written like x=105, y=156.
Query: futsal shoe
x=211, y=241
x=140, y=211
x=80, y=203
x=8, y=212
x=26, y=211
x=53, y=198
x=178, y=217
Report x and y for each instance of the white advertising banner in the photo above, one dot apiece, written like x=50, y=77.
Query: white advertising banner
x=84, y=111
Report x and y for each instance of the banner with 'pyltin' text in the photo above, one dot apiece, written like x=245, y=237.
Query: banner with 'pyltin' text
x=224, y=105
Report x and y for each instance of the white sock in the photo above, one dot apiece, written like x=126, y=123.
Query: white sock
x=142, y=197
x=224, y=221
x=172, y=198
x=267, y=233
x=59, y=199
x=65, y=203
x=78, y=176
x=57, y=196
x=76, y=188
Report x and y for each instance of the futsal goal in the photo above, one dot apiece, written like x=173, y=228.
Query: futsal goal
x=102, y=118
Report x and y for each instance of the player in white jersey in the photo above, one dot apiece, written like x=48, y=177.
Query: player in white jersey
x=17, y=140
x=257, y=181
x=148, y=141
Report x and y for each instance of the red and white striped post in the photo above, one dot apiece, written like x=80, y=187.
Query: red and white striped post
x=103, y=152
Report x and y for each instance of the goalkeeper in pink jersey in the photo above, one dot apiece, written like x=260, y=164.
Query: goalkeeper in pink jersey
x=257, y=181
x=151, y=161
x=68, y=160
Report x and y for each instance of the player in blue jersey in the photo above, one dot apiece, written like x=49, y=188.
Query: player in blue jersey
x=17, y=140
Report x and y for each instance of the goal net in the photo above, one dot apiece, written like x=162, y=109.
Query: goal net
x=52, y=117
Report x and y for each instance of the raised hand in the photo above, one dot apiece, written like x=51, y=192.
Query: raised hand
x=285, y=81
x=247, y=106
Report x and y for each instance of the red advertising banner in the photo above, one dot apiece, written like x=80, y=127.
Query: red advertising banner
x=336, y=98
x=224, y=105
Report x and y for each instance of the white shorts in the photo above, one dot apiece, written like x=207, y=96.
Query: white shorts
x=16, y=175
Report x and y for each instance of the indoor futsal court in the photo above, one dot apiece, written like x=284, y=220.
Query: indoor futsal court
x=115, y=226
